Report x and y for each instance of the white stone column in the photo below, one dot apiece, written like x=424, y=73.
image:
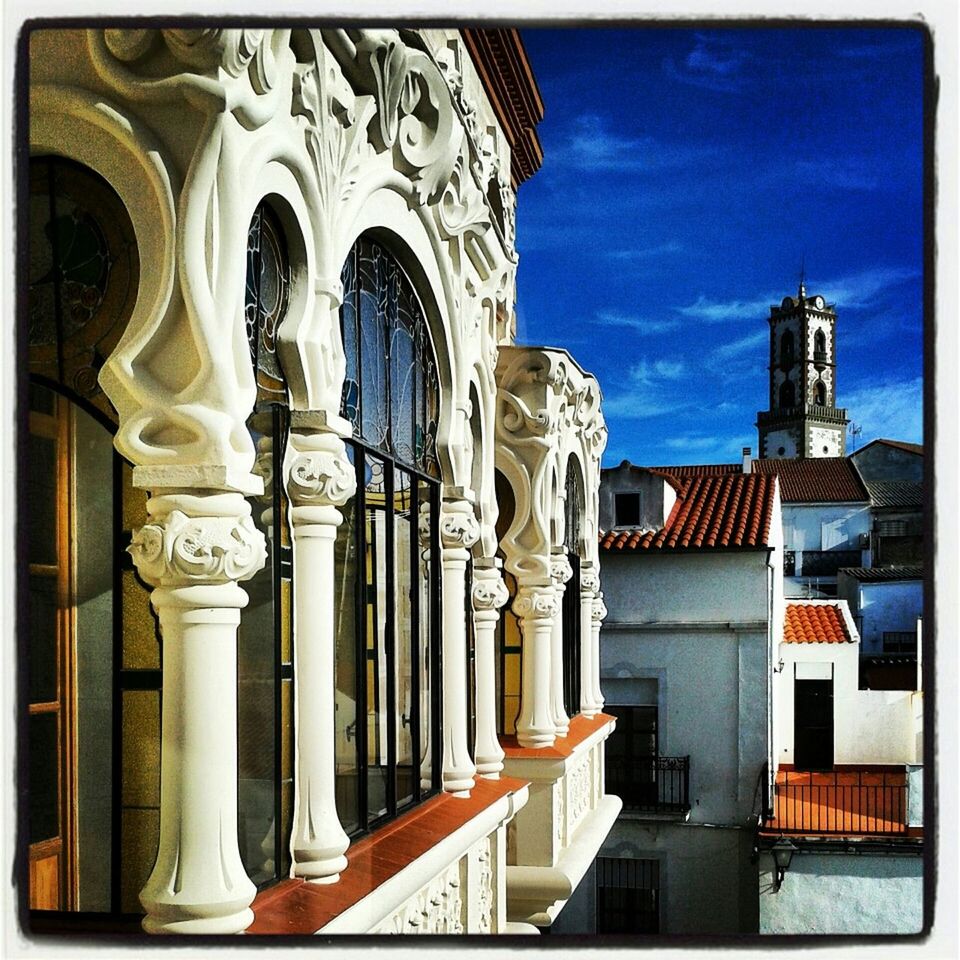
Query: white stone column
x=319, y=478
x=536, y=606
x=589, y=682
x=193, y=551
x=560, y=573
x=599, y=612
x=489, y=595
x=459, y=531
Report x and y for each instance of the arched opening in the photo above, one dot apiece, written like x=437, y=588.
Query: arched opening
x=786, y=349
x=509, y=673
x=820, y=393
x=820, y=345
x=387, y=551
x=264, y=638
x=570, y=613
x=91, y=646
x=787, y=394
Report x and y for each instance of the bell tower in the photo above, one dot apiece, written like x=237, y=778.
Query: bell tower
x=803, y=419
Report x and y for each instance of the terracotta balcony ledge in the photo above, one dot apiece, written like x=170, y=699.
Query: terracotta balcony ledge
x=386, y=863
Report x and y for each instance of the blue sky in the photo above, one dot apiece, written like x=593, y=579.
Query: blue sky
x=686, y=173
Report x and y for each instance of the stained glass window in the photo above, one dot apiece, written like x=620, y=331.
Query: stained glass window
x=387, y=696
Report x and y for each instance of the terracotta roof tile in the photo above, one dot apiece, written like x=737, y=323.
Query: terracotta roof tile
x=700, y=469
x=816, y=480
x=719, y=512
x=815, y=623
x=883, y=574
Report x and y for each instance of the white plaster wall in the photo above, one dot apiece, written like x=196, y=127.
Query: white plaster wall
x=888, y=606
x=780, y=438
x=707, y=883
x=697, y=587
x=824, y=526
x=843, y=894
x=869, y=726
x=821, y=437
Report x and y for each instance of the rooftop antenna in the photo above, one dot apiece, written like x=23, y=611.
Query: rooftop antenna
x=855, y=430
x=803, y=289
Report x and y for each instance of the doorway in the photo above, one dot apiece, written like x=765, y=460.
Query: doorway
x=813, y=724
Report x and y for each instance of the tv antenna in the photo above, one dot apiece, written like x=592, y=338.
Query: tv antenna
x=855, y=429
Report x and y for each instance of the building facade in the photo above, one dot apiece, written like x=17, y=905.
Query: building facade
x=276, y=417
x=692, y=570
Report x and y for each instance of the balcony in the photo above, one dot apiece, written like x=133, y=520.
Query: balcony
x=651, y=786
x=863, y=802
x=826, y=563
x=819, y=359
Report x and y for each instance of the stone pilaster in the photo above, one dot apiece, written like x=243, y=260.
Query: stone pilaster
x=193, y=551
x=319, y=478
x=489, y=595
x=536, y=607
x=459, y=530
x=560, y=573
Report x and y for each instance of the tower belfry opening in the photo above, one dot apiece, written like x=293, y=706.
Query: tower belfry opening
x=803, y=419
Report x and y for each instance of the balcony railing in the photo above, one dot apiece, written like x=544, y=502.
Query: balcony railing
x=826, y=563
x=656, y=785
x=851, y=803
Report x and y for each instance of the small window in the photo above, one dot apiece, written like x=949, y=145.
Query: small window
x=899, y=641
x=789, y=563
x=820, y=395
x=786, y=349
x=627, y=509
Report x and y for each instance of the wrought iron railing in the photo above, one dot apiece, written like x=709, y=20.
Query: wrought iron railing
x=650, y=784
x=848, y=802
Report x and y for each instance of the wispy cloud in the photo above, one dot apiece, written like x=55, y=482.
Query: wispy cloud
x=847, y=174
x=609, y=318
x=592, y=146
x=719, y=311
x=737, y=348
x=714, y=63
x=864, y=289
x=705, y=448
x=647, y=253
x=641, y=405
x=892, y=409
x=649, y=372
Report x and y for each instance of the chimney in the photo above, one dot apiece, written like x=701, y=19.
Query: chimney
x=747, y=461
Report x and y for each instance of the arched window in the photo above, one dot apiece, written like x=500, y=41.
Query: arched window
x=820, y=393
x=786, y=349
x=820, y=347
x=787, y=394
x=387, y=570
x=264, y=638
x=92, y=648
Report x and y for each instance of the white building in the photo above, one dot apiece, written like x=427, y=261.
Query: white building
x=270, y=357
x=692, y=568
x=847, y=800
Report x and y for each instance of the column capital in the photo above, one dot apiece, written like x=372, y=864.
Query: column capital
x=589, y=582
x=599, y=609
x=194, y=539
x=489, y=591
x=318, y=473
x=459, y=528
x=537, y=602
x=560, y=569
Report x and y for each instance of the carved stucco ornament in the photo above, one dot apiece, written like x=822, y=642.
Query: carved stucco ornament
x=321, y=478
x=180, y=549
x=489, y=591
x=536, y=603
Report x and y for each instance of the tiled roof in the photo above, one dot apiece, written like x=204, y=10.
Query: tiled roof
x=700, y=470
x=895, y=493
x=815, y=480
x=815, y=623
x=720, y=512
x=882, y=574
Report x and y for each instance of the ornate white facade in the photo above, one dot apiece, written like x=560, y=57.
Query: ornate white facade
x=345, y=133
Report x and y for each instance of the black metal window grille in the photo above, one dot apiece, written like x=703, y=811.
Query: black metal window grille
x=789, y=563
x=570, y=611
x=387, y=554
x=265, y=734
x=628, y=895
x=509, y=663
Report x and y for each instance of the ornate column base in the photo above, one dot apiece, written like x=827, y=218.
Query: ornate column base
x=489, y=595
